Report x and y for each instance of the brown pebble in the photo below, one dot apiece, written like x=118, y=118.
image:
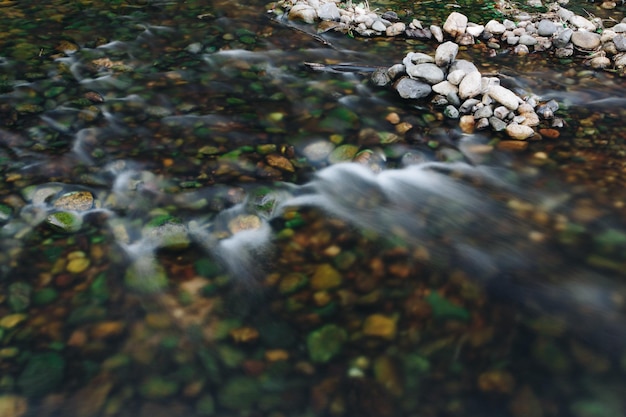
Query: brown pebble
x=550, y=133
x=253, y=367
x=244, y=334
x=512, y=145
x=467, y=123
x=378, y=325
x=280, y=162
x=275, y=355
x=496, y=381
x=393, y=118
x=107, y=329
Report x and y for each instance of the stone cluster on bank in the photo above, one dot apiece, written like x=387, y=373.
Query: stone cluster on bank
x=479, y=101
x=559, y=30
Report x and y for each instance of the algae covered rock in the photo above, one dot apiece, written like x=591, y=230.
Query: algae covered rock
x=239, y=393
x=146, y=276
x=64, y=221
x=42, y=374
x=326, y=342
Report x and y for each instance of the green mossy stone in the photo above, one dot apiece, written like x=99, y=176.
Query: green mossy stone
x=205, y=405
x=19, y=296
x=99, y=289
x=5, y=213
x=44, y=296
x=65, y=222
x=87, y=314
x=343, y=153
x=239, y=393
x=444, y=309
x=325, y=343
x=207, y=268
x=42, y=374
x=157, y=387
x=146, y=276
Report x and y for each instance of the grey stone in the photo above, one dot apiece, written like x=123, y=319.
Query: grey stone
x=328, y=11
x=455, y=24
x=455, y=77
x=396, y=29
x=451, y=112
x=501, y=112
x=620, y=60
x=481, y=124
x=413, y=89
x=521, y=50
x=303, y=12
x=564, y=14
x=563, y=38
x=446, y=53
x=620, y=42
x=508, y=24
x=564, y=52
x=496, y=124
x=417, y=58
x=430, y=73
x=513, y=40
x=379, y=26
x=546, y=27
x=585, y=40
x=468, y=105
x=380, y=77
x=485, y=111
x=527, y=40
x=582, y=23
x=396, y=70
x=464, y=65
x=453, y=98
x=619, y=28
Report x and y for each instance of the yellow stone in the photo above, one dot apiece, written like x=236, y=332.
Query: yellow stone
x=12, y=405
x=244, y=222
x=107, y=329
x=325, y=278
x=275, y=355
x=77, y=265
x=378, y=325
x=12, y=320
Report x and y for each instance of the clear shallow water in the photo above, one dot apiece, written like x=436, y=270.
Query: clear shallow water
x=223, y=268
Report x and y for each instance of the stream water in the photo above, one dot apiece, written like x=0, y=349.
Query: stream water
x=183, y=234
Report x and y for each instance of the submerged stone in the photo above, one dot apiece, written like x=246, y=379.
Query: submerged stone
x=64, y=221
x=76, y=200
x=239, y=393
x=158, y=387
x=42, y=374
x=19, y=296
x=325, y=343
x=146, y=276
x=444, y=309
x=12, y=405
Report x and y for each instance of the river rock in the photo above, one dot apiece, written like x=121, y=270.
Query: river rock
x=563, y=38
x=474, y=29
x=451, y=112
x=455, y=24
x=600, y=62
x=504, y=96
x=586, y=40
x=325, y=343
x=463, y=65
x=12, y=405
x=620, y=60
x=521, y=50
x=564, y=14
x=446, y=53
x=619, y=28
x=546, y=27
x=413, y=89
x=483, y=112
x=445, y=88
x=436, y=32
x=519, y=132
x=494, y=27
x=470, y=86
x=468, y=105
x=582, y=23
x=396, y=29
x=379, y=26
x=430, y=73
x=455, y=77
x=416, y=58
x=303, y=12
x=328, y=11
x=527, y=40
x=496, y=124
x=620, y=42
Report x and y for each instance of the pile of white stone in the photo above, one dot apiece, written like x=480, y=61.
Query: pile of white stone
x=479, y=101
x=560, y=30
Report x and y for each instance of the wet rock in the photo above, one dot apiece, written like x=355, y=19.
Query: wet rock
x=582, y=23
x=496, y=124
x=19, y=296
x=455, y=24
x=563, y=38
x=325, y=278
x=412, y=89
x=378, y=325
x=451, y=112
x=379, y=26
x=521, y=50
x=12, y=405
x=519, y=132
x=156, y=388
x=446, y=53
x=444, y=88
x=527, y=40
x=387, y=373
x=280, y=162
x=12, y=320
x=77, y=201
x=77, y=262
x=146, y=276
x=64, y=221
x=343, y=153
x=429, y=73
x=416, y=58
x=471, y=85
x=467, y=123
x=303, y=12
x=504, y=96
x=325, y=343
x=396, y=70
x=318, y=150
x=586, y=40
x=42, y=374
x=485, y=111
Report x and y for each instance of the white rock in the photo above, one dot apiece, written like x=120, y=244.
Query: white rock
x=474, y=29
x=519, y=132
x=430, y=73
x=607, y=35
x=495, y=27
x=415, y=58
x=530, y=119
x=446, y=53
x=586, y=40
x=455, y=24
x=487, y=82
x=504, y=96
x=464, y=65
x=582, y=23
x=455, y=77
x=445, y=87
x=303, y=12
x=470, y=85
x=379, y=26
x=328, y=11
x=437, y=33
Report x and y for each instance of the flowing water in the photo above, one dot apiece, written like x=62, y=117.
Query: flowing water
x=182, y=233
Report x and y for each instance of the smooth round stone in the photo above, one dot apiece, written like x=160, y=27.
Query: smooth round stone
x=527, y=40
x=430, y=73
x=328, y=11
x=585, y=40
x=471, y=85
x=467, y=123
x=396, y=29
x=303, y=12
x=444, y=88
x=380, y=77
x=416, y=58
x=521, y=50
x=446, y=53
x=620, y=60
x=474, y=29
x=437, y=32
x=496, y=124
x=582, y=23
x=619, y=28
x=412, y=89
x=455, y=77
x=76, y=200
x=494, y=27
x=485, y=111
x=564, y=14
x=504, y=96
x=546, y=27
x=513, y=40
x=563, y=38
x=396, y=70
x=379, y=26
x=620, y=42
x=519, y=132
x=463, y=65
x=451, y=112
x=600, y=62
